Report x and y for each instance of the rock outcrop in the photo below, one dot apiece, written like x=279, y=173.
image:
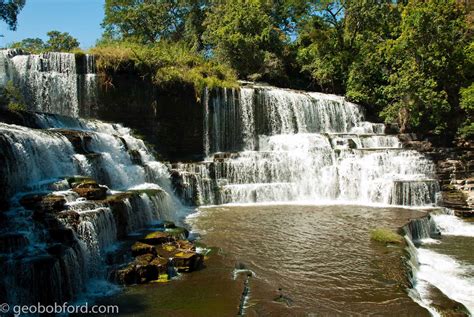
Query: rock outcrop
x=156, y=254
x=454, y=170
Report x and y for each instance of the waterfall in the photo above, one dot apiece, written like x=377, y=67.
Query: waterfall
x=432, y=267
x=268, y=144
x=52, y=82
x=63, y=243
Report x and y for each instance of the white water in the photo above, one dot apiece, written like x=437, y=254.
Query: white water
x=451, y=225
x=52, y=82
x=39, y=159
x=453, y=277
x=302, y=146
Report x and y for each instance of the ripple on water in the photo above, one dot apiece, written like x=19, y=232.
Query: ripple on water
x=321, y=256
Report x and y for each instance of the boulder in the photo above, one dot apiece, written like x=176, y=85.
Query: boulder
x=63, y=235
x=143, y=269
x=135, y=157
x=177, y=232
x=140, y=248
x=43, y=203
x=80, y=140
x=91, y=192
x=183, y=254
x=157, y=237
x=125, y=276
x=74, y=181
x=188, y=261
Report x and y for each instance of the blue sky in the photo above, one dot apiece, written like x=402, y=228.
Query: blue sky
x=81, y=18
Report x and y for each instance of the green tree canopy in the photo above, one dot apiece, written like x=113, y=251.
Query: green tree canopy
x=427, y=61
x=32, y=45
x=61, y=42
x=243, y=34
x=148, y=21
x=9, y=10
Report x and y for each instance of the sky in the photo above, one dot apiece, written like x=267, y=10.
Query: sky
x=80, y=18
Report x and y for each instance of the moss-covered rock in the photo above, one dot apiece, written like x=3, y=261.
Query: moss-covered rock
x=91, y=191
x=157, y=237
x=77, y=180
x=140, y=248
x=386, y=236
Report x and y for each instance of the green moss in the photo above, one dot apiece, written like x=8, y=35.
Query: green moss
x=386, y=236
x=75, y=180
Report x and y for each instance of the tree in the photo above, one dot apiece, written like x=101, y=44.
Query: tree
x=147, y=21
x=31, y=45
x=426, y=62
x=367, y=28
x=467, y=104
x=242, y=34
x=322, y=50
x=61, y=42
x=9, y=10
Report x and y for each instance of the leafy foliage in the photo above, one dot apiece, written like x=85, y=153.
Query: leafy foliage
x=31, y=45
x=467, y=104
x=406, y=60
x=57, y=42
x=11, y=97
x=9, y=10
x=242, y=34
x=61, y=42
x=426, y=60
x=147, y=22
x=166, y=63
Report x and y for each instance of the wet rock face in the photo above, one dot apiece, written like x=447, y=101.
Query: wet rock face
x=42, y=204
x=10, y=242
x=169, y=119
x=80, y=140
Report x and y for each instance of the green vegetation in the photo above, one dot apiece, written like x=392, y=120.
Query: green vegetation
x=9, y=10
x=386, y=236
x=166, y=63
x=407, y=61
x=57, y=42
x=242, y=34
x=12, y=98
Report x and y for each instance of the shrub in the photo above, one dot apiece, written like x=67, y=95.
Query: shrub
x=166, y=63
x=12, y=98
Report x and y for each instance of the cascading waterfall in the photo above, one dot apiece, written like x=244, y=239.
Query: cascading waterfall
x=52, y=82
x=432, y=267
x=268, y=144
x=69, y=249
x=265, y=144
